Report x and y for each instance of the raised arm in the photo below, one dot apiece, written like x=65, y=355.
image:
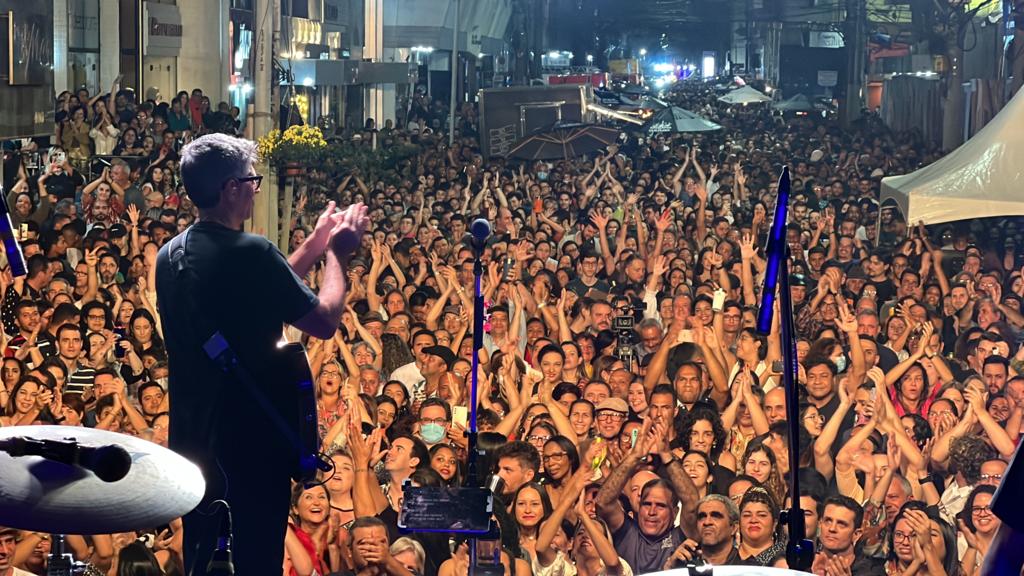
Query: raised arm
x=823, y=443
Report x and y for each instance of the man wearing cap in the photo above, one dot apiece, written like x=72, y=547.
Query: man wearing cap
x=610, y=415
x=8, y=542
x=410, y=375
x=434, y=363
x=374, y=324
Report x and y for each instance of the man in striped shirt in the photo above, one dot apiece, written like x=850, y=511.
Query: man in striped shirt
x=69, y=347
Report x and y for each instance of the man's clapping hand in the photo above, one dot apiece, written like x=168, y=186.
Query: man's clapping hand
x=349, y=226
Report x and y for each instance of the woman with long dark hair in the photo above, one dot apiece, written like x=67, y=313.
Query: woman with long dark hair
x=921, y=542
x=978, y=525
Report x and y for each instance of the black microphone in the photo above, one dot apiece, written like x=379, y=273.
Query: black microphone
x=11, y=246
x=221, y=563
x=481, y=231
x=109, y=463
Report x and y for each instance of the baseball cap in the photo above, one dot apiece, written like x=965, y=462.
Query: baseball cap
x=371, y=317
x=614, y=404
x=442, y=352
x=118, y=230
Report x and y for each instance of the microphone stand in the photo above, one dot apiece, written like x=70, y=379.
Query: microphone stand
x=799, y=550
x=472, y=474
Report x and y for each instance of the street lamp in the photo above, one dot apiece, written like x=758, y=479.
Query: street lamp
x=590, y=58
x=643, y=52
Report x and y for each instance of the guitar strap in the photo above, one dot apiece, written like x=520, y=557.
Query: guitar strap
x=219, y=351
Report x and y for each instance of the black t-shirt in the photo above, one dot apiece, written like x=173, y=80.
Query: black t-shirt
x=62, y=186
x=241, y=285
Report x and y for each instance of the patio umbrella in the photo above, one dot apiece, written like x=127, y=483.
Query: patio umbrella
x=641, y=103
x=676, y=119
x=564, y=140
x=744, y=95
x=798, y=103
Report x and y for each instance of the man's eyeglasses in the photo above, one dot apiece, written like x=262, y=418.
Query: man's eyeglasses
x=257, y=180
x=438, y=421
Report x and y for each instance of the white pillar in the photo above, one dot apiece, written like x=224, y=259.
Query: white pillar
x=374, y=94
x=60, y=47
x=110, y=43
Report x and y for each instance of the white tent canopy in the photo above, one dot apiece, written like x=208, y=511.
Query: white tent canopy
x=745, y=95
x=982, y=178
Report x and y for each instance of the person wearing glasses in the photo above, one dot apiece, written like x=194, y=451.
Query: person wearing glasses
x=241, y=285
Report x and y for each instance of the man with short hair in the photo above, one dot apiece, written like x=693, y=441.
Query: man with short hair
x=435, y=421
x=775, y=405
x=995, y=371
x=37, y=278
x=517, y=464
x=220, y=278
x=718, y=520
x=8, y=542
x=151, y=398
x=371, y=553
x=406, y=455
x=31, y=341
x=587, y=279
x=840, y=531
x=410, y=374
x=69, y=349
x=647, y=540
x=434, y=363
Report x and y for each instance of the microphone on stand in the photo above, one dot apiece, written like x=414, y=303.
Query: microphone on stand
x=110, y=463
x=481, y=231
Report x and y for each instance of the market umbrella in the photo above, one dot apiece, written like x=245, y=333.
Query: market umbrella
x=676, y=119
x=564, y=140
x=798, y=103
x=744, y=95
x=641, y=103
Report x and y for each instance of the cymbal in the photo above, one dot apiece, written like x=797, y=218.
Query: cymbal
x=47, y=496
x=720, y=570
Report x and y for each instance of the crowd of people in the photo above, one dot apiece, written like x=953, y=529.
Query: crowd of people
x=632, y=413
